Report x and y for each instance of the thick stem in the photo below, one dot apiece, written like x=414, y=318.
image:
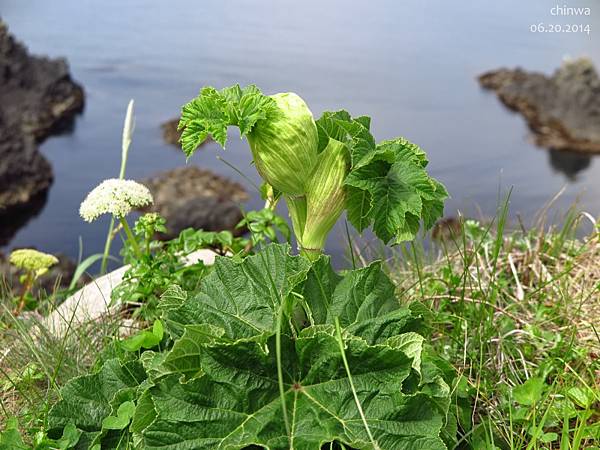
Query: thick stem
x=131, y=238
x=297, y=209
x=312, y=254
x=313, y=242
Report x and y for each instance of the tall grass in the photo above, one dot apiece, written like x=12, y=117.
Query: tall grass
x=35, y=362
x=509, y=306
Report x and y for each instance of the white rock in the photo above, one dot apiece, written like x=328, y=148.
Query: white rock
x=92, y=302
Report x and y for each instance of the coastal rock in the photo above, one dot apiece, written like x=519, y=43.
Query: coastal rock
x=24, y=173
x=562, y=110
x=193, y=197
x=171, y=135
x=37, y=98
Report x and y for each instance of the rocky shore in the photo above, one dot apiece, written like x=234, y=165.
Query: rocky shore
x=37, y=98
x=562, y=110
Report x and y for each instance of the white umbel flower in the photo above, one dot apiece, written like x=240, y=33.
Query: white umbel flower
x=116, y=197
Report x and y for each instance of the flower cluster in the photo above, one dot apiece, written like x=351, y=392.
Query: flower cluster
x=32, y=260
x=116, y=197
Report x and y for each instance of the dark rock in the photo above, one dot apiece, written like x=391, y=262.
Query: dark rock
x=193, y=197
x=36, y=92
x=37, y=98
x=171, y=135
x=563, y=110
x=24, y=173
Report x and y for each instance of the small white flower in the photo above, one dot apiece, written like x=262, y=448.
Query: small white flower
x=116, y=197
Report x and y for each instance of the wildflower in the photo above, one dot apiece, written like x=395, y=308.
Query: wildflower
x=116, y=197
x=34, y=264
x=32, y=261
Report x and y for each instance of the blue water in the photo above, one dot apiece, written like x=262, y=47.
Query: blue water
x=411, y=65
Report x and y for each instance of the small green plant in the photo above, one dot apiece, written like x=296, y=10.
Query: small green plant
x=33, y=264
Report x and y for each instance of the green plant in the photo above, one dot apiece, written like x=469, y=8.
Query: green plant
x=274, y=350
x=223, y=366
x=117, y=198
x=165, y=263
x=321, y=167
x=33, y=264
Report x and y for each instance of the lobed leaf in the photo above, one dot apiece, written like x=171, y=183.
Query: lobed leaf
x=243, y=299
x=88, y=400
x=218, y=386
x=213, y=111
x=387, y=185
x=236, y=404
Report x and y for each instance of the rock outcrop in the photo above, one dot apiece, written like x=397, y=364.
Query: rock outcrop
x=37, y=98
x=24, y=173
x=193, y=197
x=562, y=110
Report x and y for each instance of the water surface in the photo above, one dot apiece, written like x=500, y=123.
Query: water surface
x=411, y=65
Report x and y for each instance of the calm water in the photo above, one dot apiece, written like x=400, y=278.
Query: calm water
x=411, y=65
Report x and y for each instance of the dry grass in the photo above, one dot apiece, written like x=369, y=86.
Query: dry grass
x=509, y=306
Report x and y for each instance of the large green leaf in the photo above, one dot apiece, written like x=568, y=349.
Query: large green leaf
x=399, y=190
x=387, y=185
x=219, y=385
x=243, y=299
x=362, y=295
x=88, y=400
x=219, y=388
x=318, y=289
x=236, y=402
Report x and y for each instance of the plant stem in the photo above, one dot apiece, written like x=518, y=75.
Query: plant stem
x=131, y=238
x=26, y=287
x=280, y=370
x=312, y=254
x=104, y=263
x=128, y=126
x=297, y=209
x=356, y=399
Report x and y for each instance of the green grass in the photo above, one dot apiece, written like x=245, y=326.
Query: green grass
x=516, y=313
x=35, y=363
